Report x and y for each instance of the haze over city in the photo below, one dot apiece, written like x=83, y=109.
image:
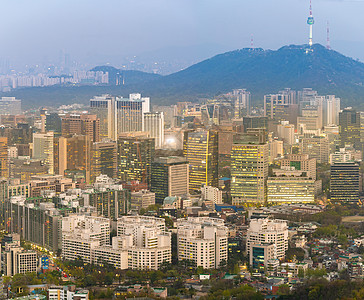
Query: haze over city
x=181, y=31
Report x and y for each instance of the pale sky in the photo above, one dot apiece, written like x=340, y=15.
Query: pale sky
x=99, y=31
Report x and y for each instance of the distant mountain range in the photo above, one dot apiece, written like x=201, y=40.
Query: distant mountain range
x=260, y=71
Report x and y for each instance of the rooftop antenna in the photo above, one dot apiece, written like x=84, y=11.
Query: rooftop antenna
x=328, y=46
x=310, y=21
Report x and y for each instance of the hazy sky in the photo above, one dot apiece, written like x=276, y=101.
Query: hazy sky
x=98, y=31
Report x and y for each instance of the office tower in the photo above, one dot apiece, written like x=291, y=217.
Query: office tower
x=300, y=162
x=154, y=124
x=349, y=126
x=255, y=122
x=88, y=125
x=242, y=103
x=135, y=155
x=249, y=169
x=201, y=150
x=212, y=194
x=293, y=189
x=170, y=177
x=203, y=241
x=281, y=106
x=43, y=144
x=10, y=106
x=268, y=231
x=74, y=153
x=310, y=120
x=344, y=182
x=261, y=254
x=286, y=132
x=53, y=123
x=104, y=108
x=147, y=242
x=142, y=199
x=104, y=159
x=331, y=110
x=317, y=147
x=130, y=113
x=4, y=160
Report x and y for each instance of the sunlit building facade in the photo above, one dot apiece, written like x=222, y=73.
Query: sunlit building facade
x=201, y=150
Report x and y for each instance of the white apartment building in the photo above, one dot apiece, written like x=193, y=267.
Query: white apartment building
x=202, y=240
x=80, y=234
x=268, y=231
x=211, y=193
x=142, y=242
x=145, y=238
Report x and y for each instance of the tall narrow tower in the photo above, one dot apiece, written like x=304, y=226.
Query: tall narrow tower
x=328, y=46
x=310, y=21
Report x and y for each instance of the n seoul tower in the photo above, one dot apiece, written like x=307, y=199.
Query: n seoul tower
x=310, y=21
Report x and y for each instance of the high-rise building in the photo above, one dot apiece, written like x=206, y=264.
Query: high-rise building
x=74, y=153
x=268, y=231
x=10, y=106
x=43, y=148
x=170, y=177
x=135, y=155
x=154, y=124
x=130, y=113
x=4, y=160
x=317, y=147
x=286, y=132
x=53, y=123
x=255, y=122
x=202, y=240
x=201, y=151
x=349, y=128
x=212, y=194
x=104, y=159
x=83, y=124
x=104, y=108
x=344, y=182
x=242, y=103
x=281, y=106
x=249, y=170
x=17, y=260
x=118, y=115
x=35, y=222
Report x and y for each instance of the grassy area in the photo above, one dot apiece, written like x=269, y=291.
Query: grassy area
x=349, y=219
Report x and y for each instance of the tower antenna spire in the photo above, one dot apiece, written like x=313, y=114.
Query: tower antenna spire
x=251, y=41
x=310, y=22
x=328, y=46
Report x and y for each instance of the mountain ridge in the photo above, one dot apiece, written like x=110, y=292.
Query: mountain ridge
x=257, y=70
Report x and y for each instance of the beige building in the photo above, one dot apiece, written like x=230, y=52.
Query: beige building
x=300, y=162
x=268, y=231
x=202, y=240
x=142, y=199
x=316, y=147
